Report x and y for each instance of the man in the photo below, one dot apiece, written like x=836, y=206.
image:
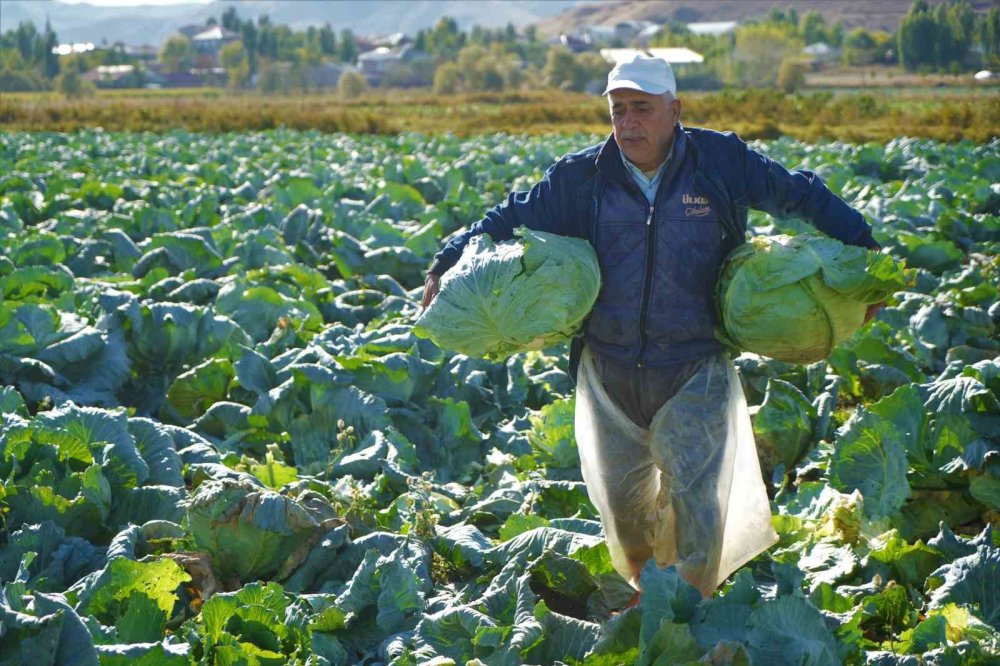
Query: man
x=661, y=423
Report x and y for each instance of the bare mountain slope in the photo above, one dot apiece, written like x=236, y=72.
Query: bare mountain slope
x=871, y=14
x=153, y=24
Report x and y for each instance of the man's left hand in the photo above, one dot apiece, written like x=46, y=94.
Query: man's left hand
x=873, y=310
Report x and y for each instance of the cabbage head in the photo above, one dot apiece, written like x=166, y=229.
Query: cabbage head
x=251, y=532
x=514, y=296
x=796, y=298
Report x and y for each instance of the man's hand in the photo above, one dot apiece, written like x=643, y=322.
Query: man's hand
x=432, y=285
x=873, y=310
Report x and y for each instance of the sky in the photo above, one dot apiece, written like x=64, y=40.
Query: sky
x=132, y=3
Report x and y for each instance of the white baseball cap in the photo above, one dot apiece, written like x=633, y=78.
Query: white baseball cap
x=648, y=74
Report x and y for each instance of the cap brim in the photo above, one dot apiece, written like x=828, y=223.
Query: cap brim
x=635, y=85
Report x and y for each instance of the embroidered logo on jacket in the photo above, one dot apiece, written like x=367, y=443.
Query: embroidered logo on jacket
x=696, y=206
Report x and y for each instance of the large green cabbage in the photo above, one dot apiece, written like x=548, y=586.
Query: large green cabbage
x=252, y=532
x=796, y=298
x=513, y=296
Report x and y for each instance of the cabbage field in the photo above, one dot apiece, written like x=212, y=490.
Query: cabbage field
x=223, y=444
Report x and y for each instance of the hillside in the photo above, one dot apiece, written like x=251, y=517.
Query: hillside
x=148, y=24
x=880, y=15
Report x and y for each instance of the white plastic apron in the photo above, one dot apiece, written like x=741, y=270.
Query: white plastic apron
x=687, y=490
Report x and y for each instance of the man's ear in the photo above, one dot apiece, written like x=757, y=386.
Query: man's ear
x=675, y=106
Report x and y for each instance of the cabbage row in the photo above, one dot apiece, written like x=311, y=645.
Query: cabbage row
x=223, y=444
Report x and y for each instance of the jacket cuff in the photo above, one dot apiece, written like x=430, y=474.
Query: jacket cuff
x=865, y=239
x=437, y=268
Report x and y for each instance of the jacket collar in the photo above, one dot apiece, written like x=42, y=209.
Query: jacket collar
x=609, y=157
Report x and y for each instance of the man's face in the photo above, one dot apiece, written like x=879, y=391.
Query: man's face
x=643, y=125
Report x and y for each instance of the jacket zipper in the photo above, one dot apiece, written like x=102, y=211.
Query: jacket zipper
x=647, y=285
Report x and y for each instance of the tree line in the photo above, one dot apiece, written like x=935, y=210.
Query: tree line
x=27, y=60
x=943, y=37
x=946, y=37
x=949, y=37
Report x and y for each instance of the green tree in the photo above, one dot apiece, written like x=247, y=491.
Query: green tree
x=445, y=39
x=248, y=33
x=962, y=21
x=351, y=85
x=327, y=40
x=492, y=80
x=471, y=61
x=945, y=47
x=595, y=67
x=791, y=74
x=423, y=70
x=447, y=79
x=267, y=40
x=72, y=86
x=34, y=50
x=25, y=36
x=859, y=47
x=348, y=50
x=835, y=34
x=812, y=27
x=510, y=34
x=230, y=20
x=50, y=60
x=989, y=35
x=16, y=75
x=760, y=49
x=480, y=36
x=78, y=62
x=269, y=77
x=298, y=77
x=176, y=54
x=233, y=57
x=917, y=38
x=479, y=68
x=562, y=70
x=777, y=15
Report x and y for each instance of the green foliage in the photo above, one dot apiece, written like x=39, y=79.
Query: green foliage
x=447, y=79
x=563, y=71
x=177, y=54
x=71, y=86
x=859, y=47
x=234, y=58
x=135, y=597
x=351, y=85
x=27, y=57
x=759, y=51
x=791, y=75
x=939, y=38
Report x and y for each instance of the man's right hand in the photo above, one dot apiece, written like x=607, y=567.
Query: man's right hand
x=432, y=285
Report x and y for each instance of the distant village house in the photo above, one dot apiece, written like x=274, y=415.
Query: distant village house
x=376, y=64
x=209, y=42
x=675, y=56
x=114, y=76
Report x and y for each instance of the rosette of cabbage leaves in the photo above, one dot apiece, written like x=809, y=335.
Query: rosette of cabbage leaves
x=503, y=298
x=795, y=298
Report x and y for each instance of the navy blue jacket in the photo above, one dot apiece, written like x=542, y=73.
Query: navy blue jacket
x=639, y=319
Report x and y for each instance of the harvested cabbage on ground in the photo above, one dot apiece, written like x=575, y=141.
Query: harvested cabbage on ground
x=514, y=296
x=795, y=298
